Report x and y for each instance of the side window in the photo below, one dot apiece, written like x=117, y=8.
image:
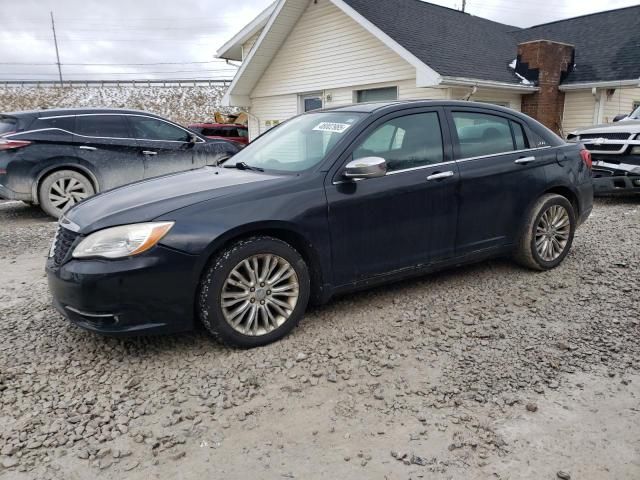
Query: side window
x=405, y=142
x=146, y=128
x=482, y=134
x=63, y=123
x=113, y=126
x=518, y=136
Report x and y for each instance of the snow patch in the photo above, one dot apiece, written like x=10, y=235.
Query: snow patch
x=523, y=80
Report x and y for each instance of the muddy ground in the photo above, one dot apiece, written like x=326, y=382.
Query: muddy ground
x=483, y=372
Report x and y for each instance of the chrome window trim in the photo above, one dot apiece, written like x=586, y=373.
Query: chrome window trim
x=201, y=140
x=510, y=152
x=449, y=162
x=421, y=167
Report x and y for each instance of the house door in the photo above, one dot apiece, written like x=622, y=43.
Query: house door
x=311, y=101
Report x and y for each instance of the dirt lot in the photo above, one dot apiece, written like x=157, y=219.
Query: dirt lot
x=487, y=371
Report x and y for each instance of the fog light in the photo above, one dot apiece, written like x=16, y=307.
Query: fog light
x=637, y=182
x=635, y=151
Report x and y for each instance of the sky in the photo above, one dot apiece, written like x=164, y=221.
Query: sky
x=169, y=39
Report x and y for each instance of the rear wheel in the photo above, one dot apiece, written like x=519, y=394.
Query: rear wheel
x=548, y=233
x=254, y=292
x=61, y=190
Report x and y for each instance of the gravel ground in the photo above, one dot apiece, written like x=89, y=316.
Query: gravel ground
x=487, y=371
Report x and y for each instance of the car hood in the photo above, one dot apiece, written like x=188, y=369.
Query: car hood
x=628, y=126
x=146, y=200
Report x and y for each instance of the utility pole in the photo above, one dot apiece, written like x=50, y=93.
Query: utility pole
x=55, y=41
x=464, y=5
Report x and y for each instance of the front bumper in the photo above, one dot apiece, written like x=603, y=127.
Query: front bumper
x=616, y=174
x=152, y=293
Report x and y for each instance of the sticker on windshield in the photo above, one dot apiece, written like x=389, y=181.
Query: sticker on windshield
x=332, y=127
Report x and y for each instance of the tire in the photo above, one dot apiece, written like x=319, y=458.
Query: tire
x=61, y=190
x=223, y=277
x=561, y=221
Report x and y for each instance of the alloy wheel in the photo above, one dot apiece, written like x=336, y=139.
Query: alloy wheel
x=260, y=294
x=552, y=233
x=66, y=192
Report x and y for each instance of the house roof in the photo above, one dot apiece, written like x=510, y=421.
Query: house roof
x=451, y=42
x=607, y=44
x=457, y=44
x=232, y=50
x=451, y=47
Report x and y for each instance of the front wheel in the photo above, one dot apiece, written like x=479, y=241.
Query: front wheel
x=254, y=292
x=548, y=233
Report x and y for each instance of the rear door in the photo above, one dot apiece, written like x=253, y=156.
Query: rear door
x=501, y=173
x=165, y=147
x=105, y=143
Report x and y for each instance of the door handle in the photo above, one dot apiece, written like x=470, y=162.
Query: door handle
x=525, y=160
x=86, y=147
x=440, y=176
x=149, y=152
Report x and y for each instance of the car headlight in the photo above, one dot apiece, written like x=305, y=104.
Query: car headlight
x=124, y=241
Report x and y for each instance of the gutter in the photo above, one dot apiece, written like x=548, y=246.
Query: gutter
x=472, y=82
x=609, y=84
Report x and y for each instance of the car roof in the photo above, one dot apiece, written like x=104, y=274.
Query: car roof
x=371, y=107
x=205, y=124
x=53, y=112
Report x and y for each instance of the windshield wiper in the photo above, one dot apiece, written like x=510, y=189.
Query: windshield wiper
x=244, y=166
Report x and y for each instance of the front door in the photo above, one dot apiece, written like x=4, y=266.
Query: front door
x=164, y=147
x=406, y=218
x=501, y=170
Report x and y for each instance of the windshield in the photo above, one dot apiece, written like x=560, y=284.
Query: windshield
x=636, y=114
x=298, y=144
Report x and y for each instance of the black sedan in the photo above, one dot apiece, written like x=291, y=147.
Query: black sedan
x=57, y=158
x=328, y=202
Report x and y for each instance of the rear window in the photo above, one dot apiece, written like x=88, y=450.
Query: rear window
x=111, y=126
x=8, y=124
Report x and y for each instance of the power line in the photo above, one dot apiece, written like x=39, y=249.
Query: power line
x=121, y=73
x=111, y=64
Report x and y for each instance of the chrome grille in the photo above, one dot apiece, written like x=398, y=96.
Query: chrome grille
x=607, y=136
x=62, y=243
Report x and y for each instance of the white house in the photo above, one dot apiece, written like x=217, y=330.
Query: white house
x=299, y=55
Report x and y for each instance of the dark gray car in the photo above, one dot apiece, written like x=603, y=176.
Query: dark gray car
x=56, y=158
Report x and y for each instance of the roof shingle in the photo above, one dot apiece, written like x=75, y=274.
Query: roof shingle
x=458, y=44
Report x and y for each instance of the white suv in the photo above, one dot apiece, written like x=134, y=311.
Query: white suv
x=615, y=149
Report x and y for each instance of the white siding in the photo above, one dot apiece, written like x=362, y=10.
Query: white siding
x=279, y=108
x=246, y=46
x=508, y=98
x=579, y=108
x=283, y=107
x=328, y=50
x=620, y=102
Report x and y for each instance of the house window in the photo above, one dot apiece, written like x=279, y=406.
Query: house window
x=310, y=102
x=376, y=94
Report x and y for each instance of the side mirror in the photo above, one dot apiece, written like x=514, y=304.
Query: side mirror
x=617, y=118
x=367, y=167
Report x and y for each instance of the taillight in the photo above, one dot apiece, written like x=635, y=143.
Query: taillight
x=13, y=144
x=586, y=158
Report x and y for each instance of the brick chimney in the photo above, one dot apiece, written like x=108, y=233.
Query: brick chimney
x=546, y=63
